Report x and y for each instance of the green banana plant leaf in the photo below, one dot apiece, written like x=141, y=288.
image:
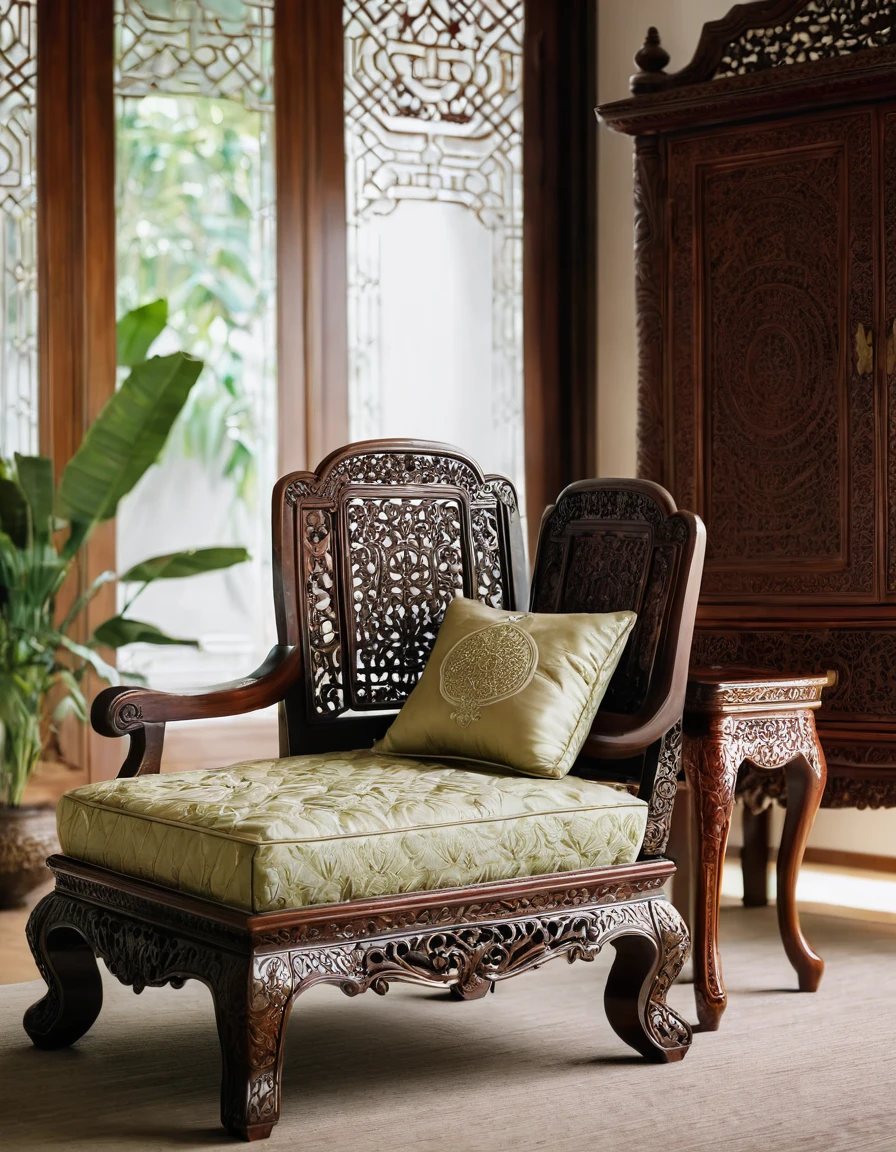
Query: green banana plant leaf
x=180, y=564
x=118, y=631
x=89, y=656
x=138, y=330
x=35, y=474
x=13, y=512
x=74, y=702
x=83, y=600
x=126, y=438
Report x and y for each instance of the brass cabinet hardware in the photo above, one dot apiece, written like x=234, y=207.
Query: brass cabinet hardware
x=864, y=351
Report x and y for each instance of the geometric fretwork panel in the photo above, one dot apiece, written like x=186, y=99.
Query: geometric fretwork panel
x=18, y=227
x=434, y=120
x=197, y=48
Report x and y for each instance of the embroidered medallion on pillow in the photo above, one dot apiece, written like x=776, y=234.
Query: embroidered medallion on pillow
x=516, y=690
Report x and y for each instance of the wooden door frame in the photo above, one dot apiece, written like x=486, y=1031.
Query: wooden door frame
x=559, y=249
x=311, y=239
x=76, y=277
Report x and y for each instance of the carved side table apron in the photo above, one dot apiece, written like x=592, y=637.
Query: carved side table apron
x=732, y=716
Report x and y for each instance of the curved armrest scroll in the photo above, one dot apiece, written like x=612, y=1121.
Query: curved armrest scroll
x=143, y=712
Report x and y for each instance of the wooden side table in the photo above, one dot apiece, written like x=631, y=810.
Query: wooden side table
x=733, y=715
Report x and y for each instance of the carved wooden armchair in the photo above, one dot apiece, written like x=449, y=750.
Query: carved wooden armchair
x=369, y=550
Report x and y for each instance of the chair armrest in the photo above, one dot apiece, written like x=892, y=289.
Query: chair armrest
x=614, y=736
x=118, y=711
x=142, y=713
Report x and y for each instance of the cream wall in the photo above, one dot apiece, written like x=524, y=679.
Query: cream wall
x=621, y=28
x=622, y=25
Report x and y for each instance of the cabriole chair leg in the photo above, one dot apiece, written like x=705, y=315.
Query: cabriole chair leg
x=74, y=987
x=645, y=968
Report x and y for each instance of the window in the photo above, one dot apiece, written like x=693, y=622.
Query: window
x=195, y=225
x=18, y=227
x=434, y=205
x=427, y=273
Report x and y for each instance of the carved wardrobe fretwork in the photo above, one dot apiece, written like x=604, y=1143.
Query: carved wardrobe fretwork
x=765, y=248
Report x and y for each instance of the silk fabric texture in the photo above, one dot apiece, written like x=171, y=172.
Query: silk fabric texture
x=518, y=690
x=270, y=835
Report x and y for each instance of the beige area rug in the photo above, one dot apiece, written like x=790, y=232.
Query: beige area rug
x=535, y=1066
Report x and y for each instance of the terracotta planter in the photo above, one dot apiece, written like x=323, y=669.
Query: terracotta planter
x=27, y=838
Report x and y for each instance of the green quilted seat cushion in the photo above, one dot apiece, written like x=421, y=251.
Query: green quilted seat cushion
x=275, y=834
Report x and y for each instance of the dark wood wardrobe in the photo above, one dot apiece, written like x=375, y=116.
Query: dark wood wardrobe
x=765, y=248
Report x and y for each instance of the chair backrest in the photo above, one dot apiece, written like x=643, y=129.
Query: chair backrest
x=369, y=551
x=608, y=545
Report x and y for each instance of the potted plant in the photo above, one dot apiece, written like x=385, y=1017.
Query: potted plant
x=44, y=657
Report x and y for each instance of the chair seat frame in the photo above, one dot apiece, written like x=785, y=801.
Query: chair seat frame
x=463, y=939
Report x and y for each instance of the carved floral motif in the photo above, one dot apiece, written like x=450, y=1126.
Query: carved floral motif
x=662, y=798
x=406, y=568
x=889, y=337
x=408, y=557
x=712, y=695
x=649, y=295
x=321, y=605
x=711, y=766
x=607, y=892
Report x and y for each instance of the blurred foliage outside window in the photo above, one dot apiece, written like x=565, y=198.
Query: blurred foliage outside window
x=195, y=180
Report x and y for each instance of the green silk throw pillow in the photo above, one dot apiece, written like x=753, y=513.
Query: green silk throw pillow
x=511, y=689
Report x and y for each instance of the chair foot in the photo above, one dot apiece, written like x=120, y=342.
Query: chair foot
x=810, y=974
x=74, y=987
x=257, y=1132
x=643, y=971
x=709, y=1012
x=474, y=989
x=252, y=1003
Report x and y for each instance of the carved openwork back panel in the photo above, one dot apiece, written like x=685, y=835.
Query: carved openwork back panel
x=604, y=548
x=385, y=537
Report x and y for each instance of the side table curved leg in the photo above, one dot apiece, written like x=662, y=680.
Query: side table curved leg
x=806, y=776
x=711, y=769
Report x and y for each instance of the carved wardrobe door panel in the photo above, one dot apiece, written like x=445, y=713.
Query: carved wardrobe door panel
x=771, y=370
x=888, y=407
